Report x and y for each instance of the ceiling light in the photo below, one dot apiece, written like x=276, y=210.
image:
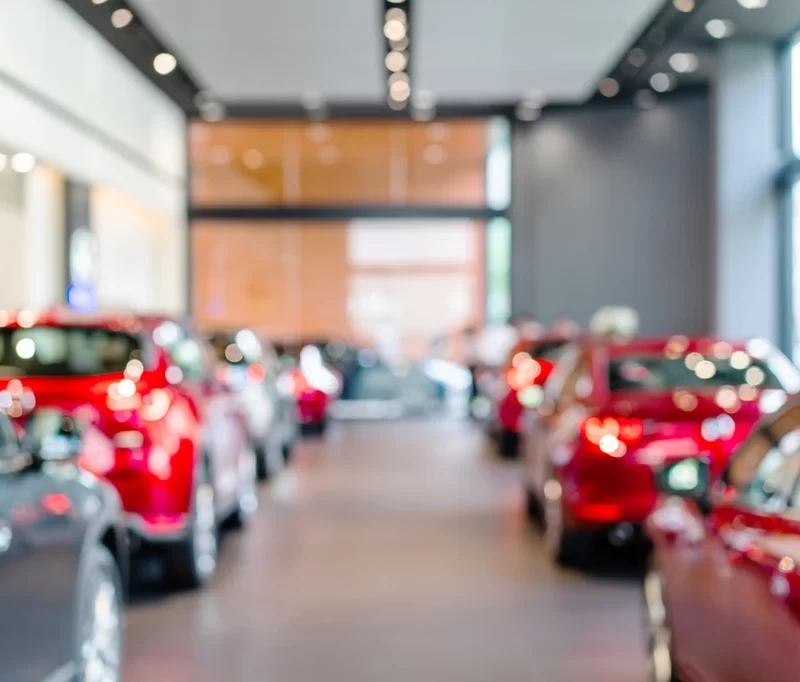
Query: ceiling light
x=645, y=99
x=394, y=29
x=753, y=4
x=121, y=18
x=165, y=63
x=3, y=161
x=253, y=159
x=684, y=62
x=536, y=98
x=399, y=45
x=398, y=14
x=98, y=2
x=23, y=162
x=661, y=82
x=683, y=5
x=609, y=87
x=637, y=56
x=400, y=90
x=399, y=77
x=397, y=2
x=434, y=154
x=720, y=28
x=526, y=112
x=212, y=111
x=396, y=61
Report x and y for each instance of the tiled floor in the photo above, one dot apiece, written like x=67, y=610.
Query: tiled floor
x=390, y=552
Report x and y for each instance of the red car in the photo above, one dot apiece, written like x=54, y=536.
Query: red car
x=181, y=461
x=312, y=381
x=613, y=412
x=722, y=595
x=528, y=366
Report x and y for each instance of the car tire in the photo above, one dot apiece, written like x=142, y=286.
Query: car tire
x=99, y=618
x=533, y=507
x=567, y=548
x=508, y=444
x=269, y=458
x=191, y=562
x=659, y=636
x=247, y=501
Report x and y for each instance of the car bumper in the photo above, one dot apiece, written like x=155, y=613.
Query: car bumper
x=157, y=529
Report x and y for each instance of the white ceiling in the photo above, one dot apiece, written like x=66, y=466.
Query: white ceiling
x=467, y=51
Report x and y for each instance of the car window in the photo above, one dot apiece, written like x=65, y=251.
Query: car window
x=563, y=369
x=190, y=354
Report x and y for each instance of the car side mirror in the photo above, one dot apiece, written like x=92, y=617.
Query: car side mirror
x=687, y=478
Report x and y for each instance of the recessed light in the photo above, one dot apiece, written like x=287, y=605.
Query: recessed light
x=753, y=4
x=396, y=13
x=683, y=5
x=121, y=18
x=645, y=99
x=396, y=61
x=23, y=162
x=400, y=90
x=637, y=56
x=164, y=63
x=720, y=28
x=661, y=82
x=98, y=2
x=609, y=87
x=394, y=29
x=525, y=111
x=399, y=77
x=684, y=62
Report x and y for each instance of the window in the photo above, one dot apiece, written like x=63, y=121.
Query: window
x=66, y=351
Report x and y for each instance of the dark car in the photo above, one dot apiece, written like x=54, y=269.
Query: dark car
x=63, y=555
x=249, y=366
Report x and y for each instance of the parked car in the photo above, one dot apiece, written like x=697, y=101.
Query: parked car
x=181, y=464
x=722, y=594
x=525, y=372
x=312, y=380
x=614, y=411
x=250, y=367
x=63, y=555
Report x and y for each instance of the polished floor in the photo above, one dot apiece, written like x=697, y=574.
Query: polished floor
x=390, y=552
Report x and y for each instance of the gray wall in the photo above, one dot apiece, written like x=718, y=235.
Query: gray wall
x=612, y=206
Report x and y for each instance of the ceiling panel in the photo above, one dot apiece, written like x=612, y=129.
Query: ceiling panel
x=278, y=50
x=474, y=50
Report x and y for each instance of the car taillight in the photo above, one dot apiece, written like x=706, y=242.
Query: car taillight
x=612, y=435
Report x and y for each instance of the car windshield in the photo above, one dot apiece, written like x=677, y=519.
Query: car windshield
x=66, y=351
x=645, y=373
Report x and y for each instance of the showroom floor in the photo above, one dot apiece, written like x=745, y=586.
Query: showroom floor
x=390, y=552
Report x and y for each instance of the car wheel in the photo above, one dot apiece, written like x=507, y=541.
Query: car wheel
x=247, y=501
x=269, y=458
x=567, y=548
x=192, y=561
x=533, y=507
x=508, y=444
x=659, y=635
x=99, y=626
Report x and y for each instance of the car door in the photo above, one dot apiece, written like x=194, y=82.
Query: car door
x=730, y=585
x=41, y=536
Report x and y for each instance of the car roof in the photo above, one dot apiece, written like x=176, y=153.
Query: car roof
x=57, y=316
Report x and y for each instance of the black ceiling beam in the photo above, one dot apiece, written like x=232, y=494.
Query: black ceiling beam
x=667, y=26
x=139, y=43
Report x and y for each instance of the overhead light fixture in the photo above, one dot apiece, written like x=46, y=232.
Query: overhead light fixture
x=400, y=90
x=609, y=87
x=645, y=99
x=753, y=4
x=399, y=45
x=525, y=111
x=394, y=29
x=398, y=14
x=397, y=2
x=684, y=62
x=23, y=162
x=661, y=82
x=637, y=57
x=212, y=111
x=720, y=28
x=683, y=5
x=396, y=61
x=535, y=98
x=98, y=2
x=164, y=63
x=398, y=77
x=121, y=18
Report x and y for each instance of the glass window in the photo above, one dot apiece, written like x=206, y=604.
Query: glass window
x=498, y=267
x=65, y=351
x=281, y=163
x=658, y=372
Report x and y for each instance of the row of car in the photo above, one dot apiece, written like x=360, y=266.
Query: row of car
x=696, y=443
x=123, y=437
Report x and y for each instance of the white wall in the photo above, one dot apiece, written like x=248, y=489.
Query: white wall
x=73, y=101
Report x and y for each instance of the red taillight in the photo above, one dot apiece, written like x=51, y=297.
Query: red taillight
x=256, y=374
x=612, y=435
